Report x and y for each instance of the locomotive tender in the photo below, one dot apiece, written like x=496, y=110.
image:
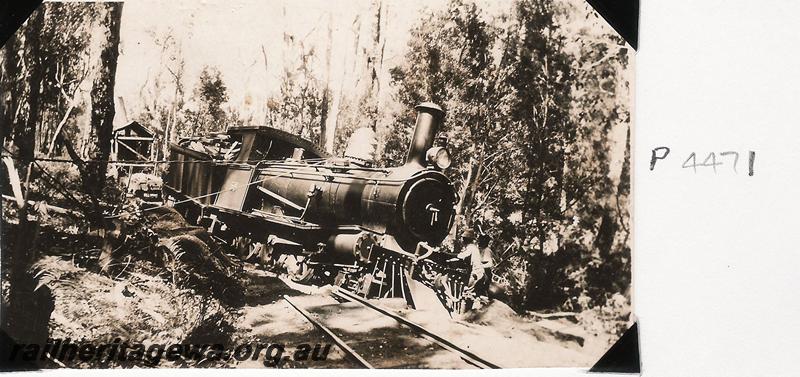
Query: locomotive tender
x=284, y=200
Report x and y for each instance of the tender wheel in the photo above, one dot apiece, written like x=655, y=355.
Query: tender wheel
x=246, y=248
x=254, y=250
x=266, y=255
x=297, y=268
x=242, y=246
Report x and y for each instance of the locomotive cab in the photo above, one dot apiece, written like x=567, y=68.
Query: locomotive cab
x=261, y=143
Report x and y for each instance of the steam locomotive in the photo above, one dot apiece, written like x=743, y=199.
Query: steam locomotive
x=283, y=200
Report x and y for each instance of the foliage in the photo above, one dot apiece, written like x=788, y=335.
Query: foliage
x=56, y=68
x=162, y=110
x=139, y=309
x=66, y=65
x=300, y=106
x=207, y=114
x=533, y=97
x=60, y=184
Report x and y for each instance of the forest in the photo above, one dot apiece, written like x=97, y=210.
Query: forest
x=538, y=97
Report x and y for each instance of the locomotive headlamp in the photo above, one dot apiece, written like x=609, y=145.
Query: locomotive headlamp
x=439, y=157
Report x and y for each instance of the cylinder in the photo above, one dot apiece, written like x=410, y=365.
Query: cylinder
x=352, y=245
x=429, y=117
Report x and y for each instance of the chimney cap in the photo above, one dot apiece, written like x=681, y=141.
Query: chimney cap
x=431, y=107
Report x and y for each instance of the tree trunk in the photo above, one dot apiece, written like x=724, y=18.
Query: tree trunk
x=61, y=124
x=463, y=199
x=473, y=187
x=168, y=132
x=11, y=88
x=375, y=66
x=102, y=123
x=538, y=289
x=22, y=255
x=28, y=309
x=325, y=113
x=25, y=136
x=468, y=189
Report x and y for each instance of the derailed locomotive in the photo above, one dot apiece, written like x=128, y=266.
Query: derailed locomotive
x=280, y=198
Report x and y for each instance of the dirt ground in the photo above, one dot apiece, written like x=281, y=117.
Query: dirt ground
x=144, y=309
x=494, y=332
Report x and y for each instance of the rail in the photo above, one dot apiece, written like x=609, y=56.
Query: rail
x=339, y=342
x=430, y=335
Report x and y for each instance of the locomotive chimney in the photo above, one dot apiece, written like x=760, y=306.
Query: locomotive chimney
x=429, y=117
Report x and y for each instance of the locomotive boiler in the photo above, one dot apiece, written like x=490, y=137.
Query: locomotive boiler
x=284, y=201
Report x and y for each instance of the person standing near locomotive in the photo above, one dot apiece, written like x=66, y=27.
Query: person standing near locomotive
x=470, y=250
x=487, y=263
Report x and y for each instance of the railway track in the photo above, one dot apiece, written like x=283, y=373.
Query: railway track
x=389, y=340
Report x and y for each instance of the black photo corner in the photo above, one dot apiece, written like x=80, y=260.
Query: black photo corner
x=622, y=15
x=623, y=356
x=13, y=15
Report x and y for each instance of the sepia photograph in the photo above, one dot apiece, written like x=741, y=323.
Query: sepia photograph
x=418, y=184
